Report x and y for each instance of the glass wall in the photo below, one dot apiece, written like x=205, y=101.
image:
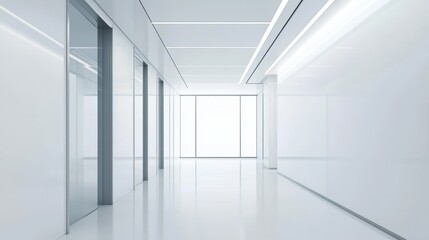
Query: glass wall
x=218, y=126
x=83, y=115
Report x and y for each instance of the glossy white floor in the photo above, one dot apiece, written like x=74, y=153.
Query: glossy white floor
x=220, y=199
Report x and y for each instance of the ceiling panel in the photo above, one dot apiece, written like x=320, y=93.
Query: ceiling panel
x=221, y=89
x=211, y=79
x=222, y=70
x=209, y=10
x=234, y=35
x=211, y=57
x=211, y=41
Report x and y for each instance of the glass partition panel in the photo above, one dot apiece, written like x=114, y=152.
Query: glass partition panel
x=83, y=115
x=187, y=126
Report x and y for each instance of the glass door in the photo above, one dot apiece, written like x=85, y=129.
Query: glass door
x=83, y=85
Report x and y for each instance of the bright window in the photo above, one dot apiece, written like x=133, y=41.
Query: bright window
x=218, y=126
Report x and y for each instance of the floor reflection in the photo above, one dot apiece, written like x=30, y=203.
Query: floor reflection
x=220, y=199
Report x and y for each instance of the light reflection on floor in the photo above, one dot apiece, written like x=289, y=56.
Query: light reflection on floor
x=220, y=199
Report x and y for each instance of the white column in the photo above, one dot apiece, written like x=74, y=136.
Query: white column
x=270, y=123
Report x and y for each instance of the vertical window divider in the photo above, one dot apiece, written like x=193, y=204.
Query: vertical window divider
x=195, y=101
x=240, y=125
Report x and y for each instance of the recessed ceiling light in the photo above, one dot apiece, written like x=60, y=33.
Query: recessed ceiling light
x=210, y=23
x=264, y=37
x=305, y=76
x=320, y=66
x=211, y=47
x=345, y=48
x=298, y=37
x=335, y=26
x=229, y=66
x=211, y=75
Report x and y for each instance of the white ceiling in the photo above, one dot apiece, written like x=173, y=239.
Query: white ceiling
x=211, y=10
x=211, y=42
x=211, y=35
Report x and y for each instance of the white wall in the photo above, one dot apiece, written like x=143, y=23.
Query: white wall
x=302, y=126
x=270, y=123
x=123, y=115
x=377, y=115
x=33, y=118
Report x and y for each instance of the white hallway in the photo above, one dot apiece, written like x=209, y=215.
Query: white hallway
x=327, y=101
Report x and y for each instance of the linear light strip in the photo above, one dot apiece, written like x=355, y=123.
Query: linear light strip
x=210, y=23
x=211, y=47
x=341, y=23
x=299, y=36
x=211, y=66
x=84, y=48
x=211, y=75
x=264, y=37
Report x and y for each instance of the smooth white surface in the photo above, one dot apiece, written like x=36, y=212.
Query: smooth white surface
x=211, y=70
x=218, y=126
x=211, y=57
x=193, y=80
x=123, y=115
x=270, y=123
x=211, y=35
x=33, y=119
x=218, y=11
x=221, y=199
x=302, y=128
x=377, y=119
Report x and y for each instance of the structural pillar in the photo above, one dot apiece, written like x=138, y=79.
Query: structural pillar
x=270, y=122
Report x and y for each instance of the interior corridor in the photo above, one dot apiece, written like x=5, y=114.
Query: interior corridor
x=221, y=199
x=214, y=119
